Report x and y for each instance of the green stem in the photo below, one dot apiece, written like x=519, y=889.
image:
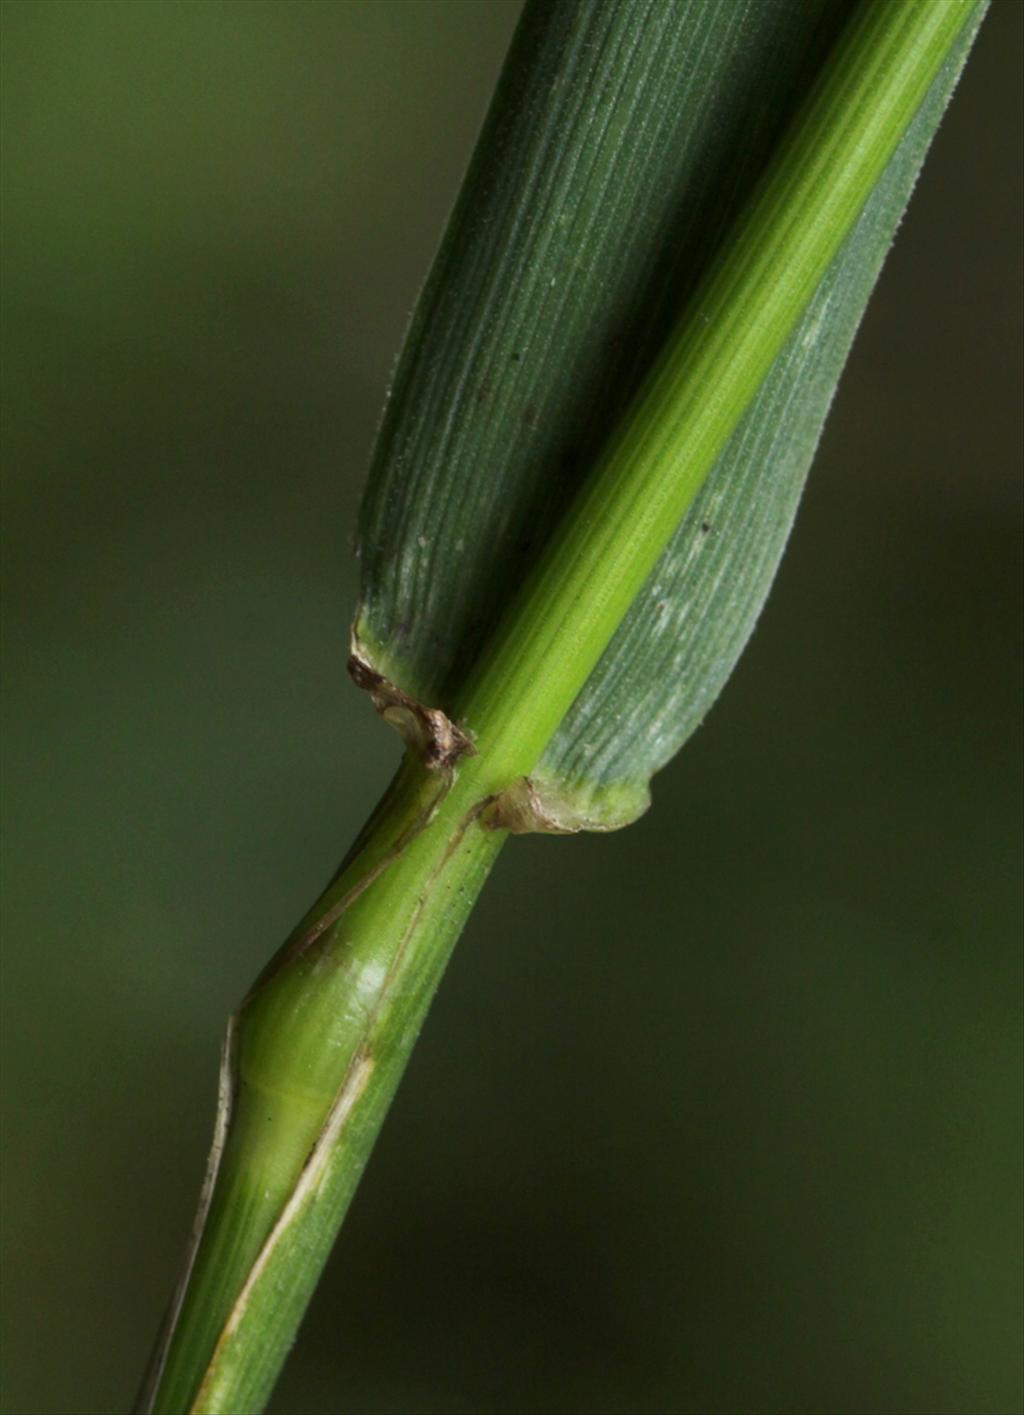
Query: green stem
x=319, y=1048
x=321, y=1042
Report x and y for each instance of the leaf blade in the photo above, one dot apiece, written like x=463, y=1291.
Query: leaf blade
x=427, y=612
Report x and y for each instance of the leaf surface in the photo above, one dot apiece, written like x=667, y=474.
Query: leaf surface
x=614, y=159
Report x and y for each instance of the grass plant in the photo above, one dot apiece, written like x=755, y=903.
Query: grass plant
x=605, y=412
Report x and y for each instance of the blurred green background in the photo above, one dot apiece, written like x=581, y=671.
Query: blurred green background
x=717, y=1115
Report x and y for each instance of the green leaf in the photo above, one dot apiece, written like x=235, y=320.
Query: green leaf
x=626, y=151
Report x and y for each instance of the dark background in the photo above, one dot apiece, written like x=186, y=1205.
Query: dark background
x=720, y=1114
